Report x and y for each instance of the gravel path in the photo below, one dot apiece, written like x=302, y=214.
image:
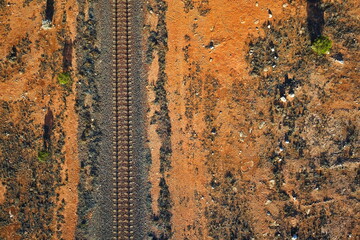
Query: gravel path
x=101, y=224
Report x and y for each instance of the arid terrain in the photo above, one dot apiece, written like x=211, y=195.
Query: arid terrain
x=250, y=134
x=253, y=135
x=39, y=163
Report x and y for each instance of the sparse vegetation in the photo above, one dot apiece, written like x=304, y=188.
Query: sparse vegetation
x=43, y=156
x=322, y=45
x=64, y=78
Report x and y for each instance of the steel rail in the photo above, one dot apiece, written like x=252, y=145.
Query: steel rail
x=122, y=113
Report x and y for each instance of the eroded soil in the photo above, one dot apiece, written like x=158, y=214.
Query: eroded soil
x=252, y=135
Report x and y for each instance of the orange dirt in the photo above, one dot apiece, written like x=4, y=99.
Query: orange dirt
x=34, y=78
x=221, y=126
x=227, y=25
x=2, y=193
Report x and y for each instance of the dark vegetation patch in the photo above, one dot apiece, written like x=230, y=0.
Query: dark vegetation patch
x=163, y=220
x=157, y=40
x=153, y=44
x=342, y=27
x=188, y=5
x=14, y=59
x=227, y=216
x=203, y=8
x=31, y=184
x=89, y=130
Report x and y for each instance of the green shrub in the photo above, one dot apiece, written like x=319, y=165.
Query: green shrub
x=322, y=45
x=43, y=156
x=64, y=78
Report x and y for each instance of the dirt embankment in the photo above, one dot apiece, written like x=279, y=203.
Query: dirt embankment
x=251, y=134
x=38, y=153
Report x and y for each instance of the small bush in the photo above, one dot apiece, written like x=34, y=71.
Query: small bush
x=322, y=45
x=64, y=78
x=43, y=156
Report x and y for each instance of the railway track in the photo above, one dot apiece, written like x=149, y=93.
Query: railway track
x=123, y=222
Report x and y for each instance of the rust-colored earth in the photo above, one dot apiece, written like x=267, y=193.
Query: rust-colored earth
x=31, y=57
x=252, y=135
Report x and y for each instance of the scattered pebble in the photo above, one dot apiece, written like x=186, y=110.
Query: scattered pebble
x=271, y=183
x=262, y=124
x=341, y=62
x=241, y=134
x=283, y=99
